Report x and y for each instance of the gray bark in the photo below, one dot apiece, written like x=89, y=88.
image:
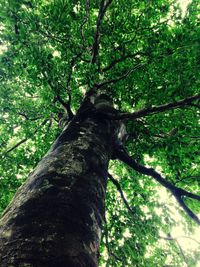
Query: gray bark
x=56, y=217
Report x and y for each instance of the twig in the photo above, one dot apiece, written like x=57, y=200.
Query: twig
x=25, y=139
x=123, y=76
x=178, y=237
x=182, y=253
x=72, y=64
x=53, y=37
x=179, y=179
x=110, y=253
x=122, y=58
x=66, y=106
x=28, y=118
x=116, y=183
x=22, y=114
x=177, y=192
x=170, y=238
x=84, y=21
x=15, y=146
x=100, y=85
x=140, y=53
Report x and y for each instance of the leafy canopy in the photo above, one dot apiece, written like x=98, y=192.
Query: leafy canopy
x=150, y=52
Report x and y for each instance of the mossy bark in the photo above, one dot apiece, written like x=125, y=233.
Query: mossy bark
x=55, y=219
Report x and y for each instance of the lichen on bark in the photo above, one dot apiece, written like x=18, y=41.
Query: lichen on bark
x=56, y=217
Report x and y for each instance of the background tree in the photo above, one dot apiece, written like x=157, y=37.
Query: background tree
x=145, y=56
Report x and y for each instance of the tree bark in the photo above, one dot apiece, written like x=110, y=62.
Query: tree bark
x=56, y=217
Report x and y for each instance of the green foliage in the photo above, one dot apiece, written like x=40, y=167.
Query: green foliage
x=43, y=43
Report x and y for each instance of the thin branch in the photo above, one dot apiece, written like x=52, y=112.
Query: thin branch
x=177, y=192
x=102, y=10
x=135, y=30
x=153, y=110
x=100, y=85
x=178, y=237
x=95, y=48
x=68, y=89
x=110, y=253
x=106, y=238
x=116, y=183
x=51, y=36
x=23, y=114
x=72, y=64
x=66, y=106
x=25, y=139
x=57, y=97
x=28, y=118
x=140, y=53
x=182, y=253
x=170, y=238
x=123, y=76
x=50, y=124
x=179, y=179
x=187, y=209
x=15, y=146
x=85, y=21
x=122, y=58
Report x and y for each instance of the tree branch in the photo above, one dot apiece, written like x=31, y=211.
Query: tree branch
x=87, y=8
x=123, y=76
x=152, y=110
x=170, y=238
x=66, y=106
x=21, y=113
x=110, y=253
x=102, y=10
x=25, y=139
x=49, y=35
x=122, y=58
x=15, y=146
x=116, y=183
x=182, y=253
x=177, y=192
x=28, y=118
x=178, y=237
x=72, y=64
x=100, y=85
x=140, y=53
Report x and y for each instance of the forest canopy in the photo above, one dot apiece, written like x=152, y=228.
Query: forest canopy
x=145, y=55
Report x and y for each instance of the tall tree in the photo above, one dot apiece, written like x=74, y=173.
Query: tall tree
x=116, y=84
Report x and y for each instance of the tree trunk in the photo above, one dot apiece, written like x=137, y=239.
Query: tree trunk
x=55, y=219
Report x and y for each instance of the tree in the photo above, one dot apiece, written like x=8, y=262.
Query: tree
x=121, y=79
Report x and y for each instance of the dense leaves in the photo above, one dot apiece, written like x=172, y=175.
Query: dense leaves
x=46, y=51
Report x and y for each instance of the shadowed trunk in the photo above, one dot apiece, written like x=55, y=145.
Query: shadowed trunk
x=56, y=217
